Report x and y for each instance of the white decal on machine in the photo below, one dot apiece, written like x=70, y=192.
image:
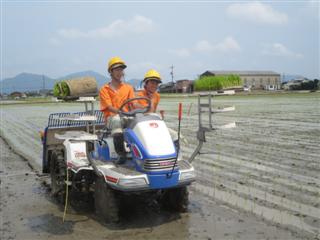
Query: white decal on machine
x=79, y=155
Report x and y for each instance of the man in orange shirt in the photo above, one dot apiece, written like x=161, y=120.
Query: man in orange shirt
x=112, y=96
x=151, y=82
x=116, y=92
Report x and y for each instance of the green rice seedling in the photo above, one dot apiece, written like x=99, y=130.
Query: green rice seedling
x=61, y=89
x=208, y=83
x=56, y=89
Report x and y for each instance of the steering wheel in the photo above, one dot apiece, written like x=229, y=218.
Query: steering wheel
x=133, y=112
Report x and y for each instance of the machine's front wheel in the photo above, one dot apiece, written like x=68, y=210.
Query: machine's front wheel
x=175, y=199
x=106, y=201
x=58, y=175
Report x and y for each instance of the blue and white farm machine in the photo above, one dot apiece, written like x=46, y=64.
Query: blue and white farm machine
x=80, y=154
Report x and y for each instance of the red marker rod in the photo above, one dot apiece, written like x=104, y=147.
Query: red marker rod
x=178, y=147
x=180, y=111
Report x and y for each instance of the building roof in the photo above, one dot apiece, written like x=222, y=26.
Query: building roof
x=16, y=94
x=168, y=84
x=241, y=73
x=181, y=80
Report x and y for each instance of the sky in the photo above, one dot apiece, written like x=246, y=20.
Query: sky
x=57, y=38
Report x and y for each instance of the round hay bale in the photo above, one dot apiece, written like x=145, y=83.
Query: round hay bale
x=84, y=86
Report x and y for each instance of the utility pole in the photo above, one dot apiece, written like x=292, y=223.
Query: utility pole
x=171, y=73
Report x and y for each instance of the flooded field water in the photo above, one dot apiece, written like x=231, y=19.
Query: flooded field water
x=268, y=165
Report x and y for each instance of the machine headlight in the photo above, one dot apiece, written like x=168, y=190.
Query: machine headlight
x=187, y=176
x=132, y=182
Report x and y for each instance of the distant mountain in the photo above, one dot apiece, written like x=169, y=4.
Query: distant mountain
x=29, y=82
x=26, y=82
x=135, y=83
x=99, y=77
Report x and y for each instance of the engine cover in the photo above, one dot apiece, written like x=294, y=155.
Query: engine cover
x=155, y=137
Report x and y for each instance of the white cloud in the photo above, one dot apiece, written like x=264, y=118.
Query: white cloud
x=54, y=41
x=278, y=49
x=143, y=65
x=256, y=12
x=229, y=44
x=311, y=8
x=71, y=33
x=182, y=52
x=204, y=46
x=137, y=25
x=135, y=69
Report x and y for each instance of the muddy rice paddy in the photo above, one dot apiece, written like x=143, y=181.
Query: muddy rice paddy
x=265, y=168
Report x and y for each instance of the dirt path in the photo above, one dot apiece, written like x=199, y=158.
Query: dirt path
x=29, y=212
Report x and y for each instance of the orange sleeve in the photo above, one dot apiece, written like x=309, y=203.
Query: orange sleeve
x=142, y=102
x=156, y=101
x=105, y=99
x=131, y=92
x=139, y=94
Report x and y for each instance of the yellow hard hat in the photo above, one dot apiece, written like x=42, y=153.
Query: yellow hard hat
x=116, y=62
x=152, y=75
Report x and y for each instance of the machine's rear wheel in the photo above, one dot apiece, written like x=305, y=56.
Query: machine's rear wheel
x=58, y=175
x=106, y=202
x=175, y=199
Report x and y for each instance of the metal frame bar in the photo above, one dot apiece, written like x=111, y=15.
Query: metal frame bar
x=201, y=134
x=56, y=121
